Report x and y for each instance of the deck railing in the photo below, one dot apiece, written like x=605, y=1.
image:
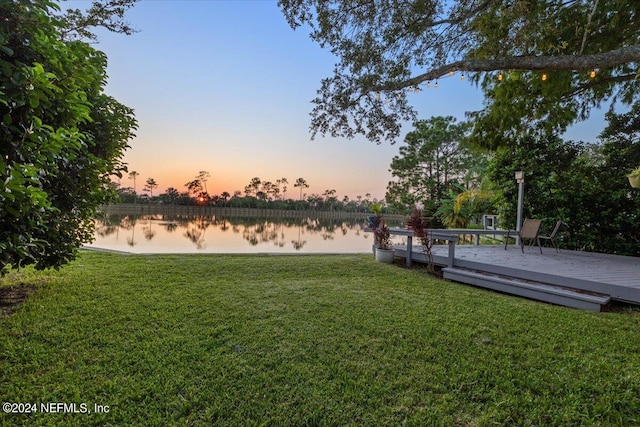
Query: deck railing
x=449, y=235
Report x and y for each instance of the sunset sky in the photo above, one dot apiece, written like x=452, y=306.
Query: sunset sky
x=225, y=86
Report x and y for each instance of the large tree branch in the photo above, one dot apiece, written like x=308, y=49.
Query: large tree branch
x=609, y=59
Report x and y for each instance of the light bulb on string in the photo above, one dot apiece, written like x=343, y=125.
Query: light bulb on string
x=500, y=77
x=428, y=85
x=544, y=76
x=592, y=74
x=450, y=72
x=435, y=86
x=462, y=77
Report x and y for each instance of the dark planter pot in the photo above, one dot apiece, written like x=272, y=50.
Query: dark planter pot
x=374, y=221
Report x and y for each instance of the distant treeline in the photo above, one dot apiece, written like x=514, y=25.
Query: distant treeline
x=258, y=194
x=325, y=202
x=227, y=212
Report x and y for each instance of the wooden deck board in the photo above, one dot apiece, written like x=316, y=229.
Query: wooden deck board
x=618, y=276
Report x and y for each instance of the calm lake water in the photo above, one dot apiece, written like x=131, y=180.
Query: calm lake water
x=159, y=233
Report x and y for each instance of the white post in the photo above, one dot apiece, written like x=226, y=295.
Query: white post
x=520, y=181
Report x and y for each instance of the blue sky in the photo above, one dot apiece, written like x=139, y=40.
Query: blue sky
x=225, y=86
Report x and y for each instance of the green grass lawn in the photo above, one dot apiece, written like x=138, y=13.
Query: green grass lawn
x=305, y=340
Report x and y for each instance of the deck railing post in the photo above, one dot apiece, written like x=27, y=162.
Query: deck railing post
x=452, y=252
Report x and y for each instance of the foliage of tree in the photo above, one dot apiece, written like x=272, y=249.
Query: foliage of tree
x=302, y=183
x=462, y=206
x=149, y=186
x=387, y=48
x=433, y=159
x=61, y=135
x=583, y=185
x=203, y=177
x=133, y=175
x=171, y=195
x=194, y=187
x=107, y=14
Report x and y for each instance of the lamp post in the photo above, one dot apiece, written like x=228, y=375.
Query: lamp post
x=520, y=181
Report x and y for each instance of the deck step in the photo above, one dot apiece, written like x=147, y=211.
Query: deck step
x=534, y=290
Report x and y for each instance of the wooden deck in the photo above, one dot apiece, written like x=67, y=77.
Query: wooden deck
x=575, y=279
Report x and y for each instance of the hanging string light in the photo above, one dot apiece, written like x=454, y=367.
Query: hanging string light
x=462, y=77
x=500, y=77
x=435, y=86
x=428, y=84
x=592, y=74
x=544, y=76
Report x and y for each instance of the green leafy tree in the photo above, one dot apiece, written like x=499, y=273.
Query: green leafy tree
x=582, y=185
x=432, y=159
x=62, y=136
x=548, y=163
x=388, y=50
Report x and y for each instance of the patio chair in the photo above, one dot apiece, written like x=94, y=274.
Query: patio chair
x=552, y=237
x=529, y=231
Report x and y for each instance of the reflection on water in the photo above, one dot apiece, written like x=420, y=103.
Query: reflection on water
x=158, y=233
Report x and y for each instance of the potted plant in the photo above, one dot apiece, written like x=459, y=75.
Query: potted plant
x=634, y=178
x=374, y=220
x=419, y=225
x=384, y=251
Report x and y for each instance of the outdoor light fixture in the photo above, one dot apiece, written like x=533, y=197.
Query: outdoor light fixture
x=544, y=76
x=500, y=77
x=592, y=74
x=519, y=175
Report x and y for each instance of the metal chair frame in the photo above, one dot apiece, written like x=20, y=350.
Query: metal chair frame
x=552, y=237
x=530, y=229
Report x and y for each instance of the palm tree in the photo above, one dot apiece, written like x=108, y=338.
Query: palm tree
x=150, y=185
x=133, y=175
x=284, y=182
x=194, y=187
x=302, y=183
x=225, y=196
x=203, y=177
x=172, y=195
